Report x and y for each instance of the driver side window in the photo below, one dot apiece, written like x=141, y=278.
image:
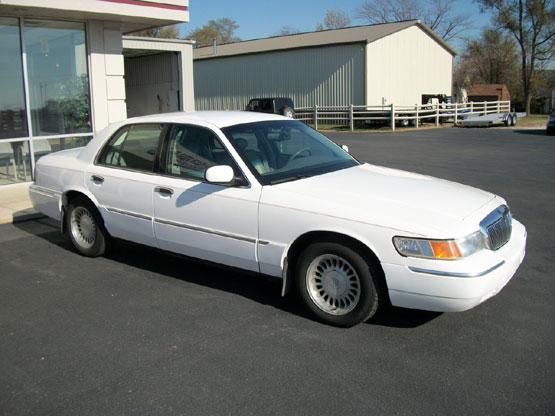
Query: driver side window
x=193, y=149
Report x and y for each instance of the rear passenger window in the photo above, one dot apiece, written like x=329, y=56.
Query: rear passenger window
x=133, y=147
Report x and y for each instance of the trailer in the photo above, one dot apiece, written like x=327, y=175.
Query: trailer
x=489, y=120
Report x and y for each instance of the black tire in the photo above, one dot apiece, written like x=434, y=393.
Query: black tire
x=514, y=119
x=361, y=308
x=77, y=209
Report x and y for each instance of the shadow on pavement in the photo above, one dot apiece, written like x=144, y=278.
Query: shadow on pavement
x=534, y=132
x=261, y=289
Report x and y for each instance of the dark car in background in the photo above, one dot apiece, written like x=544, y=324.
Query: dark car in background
x=550, y=128
x=275, y=105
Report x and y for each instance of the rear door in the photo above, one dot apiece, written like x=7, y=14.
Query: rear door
x=122, y=179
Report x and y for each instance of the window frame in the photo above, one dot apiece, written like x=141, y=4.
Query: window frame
x=241, y=181
x=157, y=160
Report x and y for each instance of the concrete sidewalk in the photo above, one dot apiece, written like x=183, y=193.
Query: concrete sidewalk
x=15, y=204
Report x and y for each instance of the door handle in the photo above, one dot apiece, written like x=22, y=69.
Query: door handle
x=164, y=192
x=98, y=180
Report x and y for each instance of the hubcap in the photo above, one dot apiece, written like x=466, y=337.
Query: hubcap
x=83, y=227
x=333, y=284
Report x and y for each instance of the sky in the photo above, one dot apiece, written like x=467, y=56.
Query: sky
x=263, y=18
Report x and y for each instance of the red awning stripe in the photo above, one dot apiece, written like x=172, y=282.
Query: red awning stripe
x=150, y=4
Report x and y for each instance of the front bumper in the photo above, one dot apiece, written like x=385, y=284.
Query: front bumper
x=452, y=286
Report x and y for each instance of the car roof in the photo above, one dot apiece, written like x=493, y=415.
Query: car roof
x=219, y=119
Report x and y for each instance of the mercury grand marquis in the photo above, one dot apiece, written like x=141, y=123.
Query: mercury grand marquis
x=270, y=195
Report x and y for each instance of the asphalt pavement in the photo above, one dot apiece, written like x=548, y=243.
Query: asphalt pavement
x=141, y=332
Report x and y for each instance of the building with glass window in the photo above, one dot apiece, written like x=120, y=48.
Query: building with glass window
x=67, y=71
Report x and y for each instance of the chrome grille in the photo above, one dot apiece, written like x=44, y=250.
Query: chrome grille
x=497, y=227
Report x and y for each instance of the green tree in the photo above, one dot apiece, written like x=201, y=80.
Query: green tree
x=490, y=59
x=220, y=30
x=166, y=32
x=532, y=24
x=287, y=30
x=334, y=19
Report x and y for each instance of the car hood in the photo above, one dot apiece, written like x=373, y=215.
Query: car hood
x=386, y=197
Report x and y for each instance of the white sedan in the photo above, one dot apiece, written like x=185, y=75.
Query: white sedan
x=268, y=194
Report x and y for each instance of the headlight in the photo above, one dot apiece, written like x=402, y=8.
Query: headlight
x=440, y=249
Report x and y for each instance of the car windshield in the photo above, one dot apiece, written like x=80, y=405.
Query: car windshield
x=286, y=150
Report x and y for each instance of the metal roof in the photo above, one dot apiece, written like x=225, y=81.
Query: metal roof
x=366, y=34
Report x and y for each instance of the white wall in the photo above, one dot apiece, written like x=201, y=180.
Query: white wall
x=106, y=71
x=403, y=66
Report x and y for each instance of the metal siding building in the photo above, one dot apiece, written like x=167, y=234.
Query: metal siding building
x=372, y=65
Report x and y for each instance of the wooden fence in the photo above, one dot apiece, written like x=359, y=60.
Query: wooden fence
x=392, y=115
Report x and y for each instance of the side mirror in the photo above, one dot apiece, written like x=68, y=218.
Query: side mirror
x=345, y=147
x=221, y=174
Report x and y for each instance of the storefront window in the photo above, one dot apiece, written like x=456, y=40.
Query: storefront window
x=15, y=162
x=58, y=77
x=13, y=118
x=42, y=147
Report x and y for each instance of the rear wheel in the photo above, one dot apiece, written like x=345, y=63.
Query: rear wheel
x=85, y=228
x=336, y=284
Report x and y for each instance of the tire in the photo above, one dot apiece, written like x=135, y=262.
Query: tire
x=336, y=284
x=513, y=120
x=85, y=228
x=288, y=112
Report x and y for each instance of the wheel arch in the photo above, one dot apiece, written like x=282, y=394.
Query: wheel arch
x=68, y=195
x=294, y=250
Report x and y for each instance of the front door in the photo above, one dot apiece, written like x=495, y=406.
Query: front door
x=199, y=219
x=123, y=181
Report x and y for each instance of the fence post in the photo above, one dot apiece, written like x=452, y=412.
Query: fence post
x=351, y=118
x=456, y=112
x=437, y=114
x=392, y=116
x=416, y=119
x=498, y=107
x=471, y=107
x=315, y=116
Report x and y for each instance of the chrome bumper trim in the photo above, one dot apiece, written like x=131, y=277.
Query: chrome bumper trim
x=455, y=274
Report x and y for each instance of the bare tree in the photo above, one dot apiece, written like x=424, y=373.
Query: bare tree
x=491, y=59
x=166, y=32
x=220, y=30
x=334, y=19
x=287, y=30
x=437, y=14
x=532, y=24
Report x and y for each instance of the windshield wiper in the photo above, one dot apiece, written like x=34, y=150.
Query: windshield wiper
x=288, y=179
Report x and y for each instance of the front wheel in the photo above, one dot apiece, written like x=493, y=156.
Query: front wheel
x=85, y=228
x=336, y=284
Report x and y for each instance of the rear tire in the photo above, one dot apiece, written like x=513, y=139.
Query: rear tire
x=336, y=284
x=85, y=228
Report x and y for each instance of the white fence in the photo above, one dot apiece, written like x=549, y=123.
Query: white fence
x=393, y=115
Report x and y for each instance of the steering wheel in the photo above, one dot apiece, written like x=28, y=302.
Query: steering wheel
x=298, y=153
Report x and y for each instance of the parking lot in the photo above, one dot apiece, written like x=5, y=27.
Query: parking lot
x=143, y=332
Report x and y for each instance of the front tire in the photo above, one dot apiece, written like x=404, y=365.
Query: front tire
x=85, y=228
x=336, y=284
